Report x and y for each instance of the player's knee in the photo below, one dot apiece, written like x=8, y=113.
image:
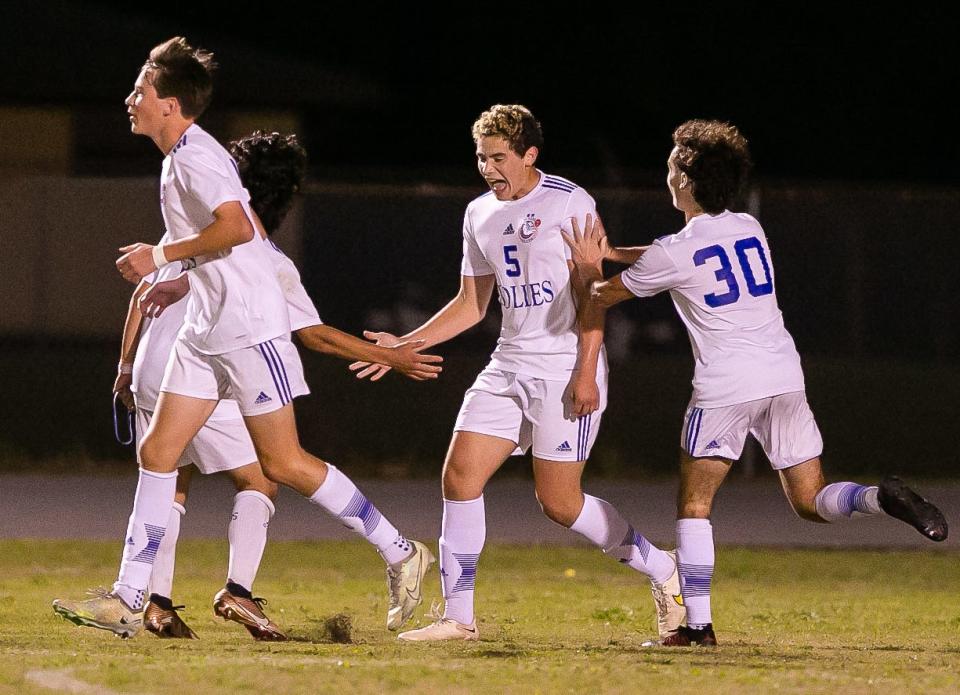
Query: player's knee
x=459, y=484
x=694, y=509
x=261, y=483
x=156, y=457
x=560, y=509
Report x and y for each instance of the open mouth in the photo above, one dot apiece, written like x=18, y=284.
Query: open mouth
x=498, y=185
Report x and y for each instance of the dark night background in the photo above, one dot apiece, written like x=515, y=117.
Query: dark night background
x=822, y=92
x=849, y=112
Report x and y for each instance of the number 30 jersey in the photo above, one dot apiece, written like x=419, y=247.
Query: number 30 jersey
x=720, y=276
x=519, y=241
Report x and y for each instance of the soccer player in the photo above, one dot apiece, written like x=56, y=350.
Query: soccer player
x=546, y=382
x=719, y=272
x=271, y=167
x=234, y=344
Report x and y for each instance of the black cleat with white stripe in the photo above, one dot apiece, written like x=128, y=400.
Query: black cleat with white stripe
x=900, y=502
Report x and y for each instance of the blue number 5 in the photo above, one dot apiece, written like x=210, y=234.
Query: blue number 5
x=514, y=270
x=724, y=274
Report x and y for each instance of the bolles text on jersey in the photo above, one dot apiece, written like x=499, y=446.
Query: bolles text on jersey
x=528, y=295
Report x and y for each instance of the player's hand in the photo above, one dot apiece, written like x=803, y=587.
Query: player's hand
x=582, y=395
x=371, y=369
x=590, y=247
x=121, y=387
x=406, y=358
x=163, y=294
x=136, y=262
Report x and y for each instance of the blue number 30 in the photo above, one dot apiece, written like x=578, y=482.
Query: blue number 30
x=725, y=272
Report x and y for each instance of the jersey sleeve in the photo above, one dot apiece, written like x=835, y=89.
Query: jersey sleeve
x=655, y=271
x=474, y=263
x=579, y=205
x=303, y=312
x=210, y=180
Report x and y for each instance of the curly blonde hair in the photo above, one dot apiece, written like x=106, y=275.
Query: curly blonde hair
x=514, y=123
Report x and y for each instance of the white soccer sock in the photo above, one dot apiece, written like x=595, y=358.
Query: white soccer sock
x=695, y=560
x=247, y=534
x=341, y=498
x=161, y=578
x=148, y=522
x=601, y=524
x=839, y=501
x=463, y=532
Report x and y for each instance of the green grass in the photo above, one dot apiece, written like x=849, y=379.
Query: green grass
x=788, y=621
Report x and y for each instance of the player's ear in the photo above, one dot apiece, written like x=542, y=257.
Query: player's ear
x=170, y=106
x=684, y=180
x=530, y=156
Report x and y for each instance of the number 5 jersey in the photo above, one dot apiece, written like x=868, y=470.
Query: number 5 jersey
x=720, y=275
x=519, y=242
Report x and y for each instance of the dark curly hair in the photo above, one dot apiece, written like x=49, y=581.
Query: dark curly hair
x=514, y=123
x=177, y=69
x=272, y=167
x=716, y=159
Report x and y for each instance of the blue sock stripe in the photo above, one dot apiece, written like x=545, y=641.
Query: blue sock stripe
x=852, y=498
x=695, y=579
x=468, y=571
x=154, y=536
x=285, y=380
x=643, y=545
x=360, y=507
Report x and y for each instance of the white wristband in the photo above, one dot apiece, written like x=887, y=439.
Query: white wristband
x=125, y=368
x=159, y=259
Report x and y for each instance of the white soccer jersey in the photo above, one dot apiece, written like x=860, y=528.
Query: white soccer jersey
x=235, y=300
x=303, y=312
x=519, y=241
x=158, y=335
x=720, y=275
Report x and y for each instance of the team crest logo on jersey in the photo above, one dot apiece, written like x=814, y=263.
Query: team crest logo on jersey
x=509, y=230
x=528, y=231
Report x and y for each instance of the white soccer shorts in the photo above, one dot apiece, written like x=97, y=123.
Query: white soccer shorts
x=220, y=445
x=261, y=379
x=527, y=410
x=784, y=426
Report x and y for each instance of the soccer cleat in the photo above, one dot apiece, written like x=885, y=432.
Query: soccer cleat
x=688, y=636
x=105, y=611
x=441, y=630
x=669, y=601
x=249, y=613
x=163, y=621
x=900, y=502
x=404, y=584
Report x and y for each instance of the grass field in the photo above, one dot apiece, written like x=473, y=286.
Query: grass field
x=551, y=620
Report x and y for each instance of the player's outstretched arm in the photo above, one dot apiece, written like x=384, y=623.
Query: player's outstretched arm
x=155, y=300
x=405, y=356
x=231, y=227
x=464, y=311
x=128, y=346
x=609, y=292
x=626, y=255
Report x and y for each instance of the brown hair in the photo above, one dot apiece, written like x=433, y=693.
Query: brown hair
x=176, y=69
x=716, y=159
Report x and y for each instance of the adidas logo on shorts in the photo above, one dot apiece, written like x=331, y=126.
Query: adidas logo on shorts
x=712, y=445
x=564, y=448
x=262, y=398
